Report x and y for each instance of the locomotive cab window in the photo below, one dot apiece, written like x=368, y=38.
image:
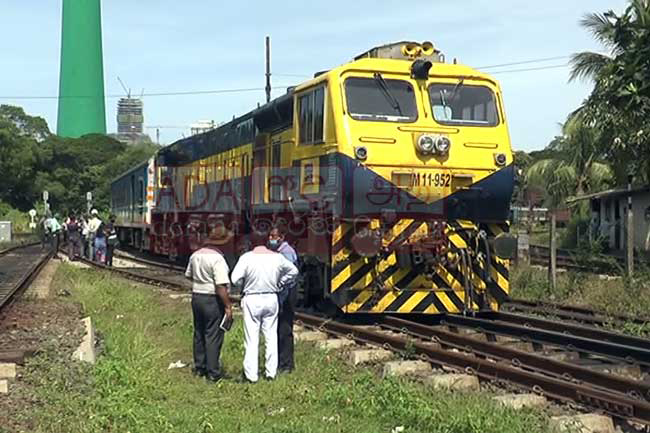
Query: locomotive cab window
x=380, y=99
x=458, y=104
x=311, y=106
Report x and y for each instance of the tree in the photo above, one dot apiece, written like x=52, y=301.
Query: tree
x=33, y=160
x=619, y=105
x=574, y=171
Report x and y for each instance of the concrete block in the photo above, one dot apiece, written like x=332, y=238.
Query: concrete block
x=518, y=401
x=7, y=370
x=310, y=336
x=4, y=386
x=334, y=344
x=587, y=423
x=86, y=350
x=454, y=382
x=362, y=356
x=401, y=368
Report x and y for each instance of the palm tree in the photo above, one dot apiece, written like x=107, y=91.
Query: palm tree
x=573, y=172
x=614, y=33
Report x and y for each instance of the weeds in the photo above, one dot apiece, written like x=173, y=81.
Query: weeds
x=130, y=388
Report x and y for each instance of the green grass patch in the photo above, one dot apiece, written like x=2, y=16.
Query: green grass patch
x=612, y=296
x=131, y=390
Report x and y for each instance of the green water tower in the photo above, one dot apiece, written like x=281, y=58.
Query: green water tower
x=82, y=107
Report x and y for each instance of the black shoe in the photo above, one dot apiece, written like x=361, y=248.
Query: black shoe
x=269, y=379
x=199, y=373
x=213, y=379
x=285, y=371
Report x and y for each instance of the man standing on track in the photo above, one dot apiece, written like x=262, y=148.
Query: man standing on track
x=262, y=273
x=111, y=239
x=208, y=271
x=73, y=230
x=287, y=298
x=93, y=226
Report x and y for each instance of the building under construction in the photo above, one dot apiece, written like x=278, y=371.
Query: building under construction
x=130, y=120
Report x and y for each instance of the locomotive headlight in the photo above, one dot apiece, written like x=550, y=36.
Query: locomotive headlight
x=500, y=159
x=426, y=144
x=442, y=145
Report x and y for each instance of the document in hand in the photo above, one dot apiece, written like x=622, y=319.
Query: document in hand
x=225, y=323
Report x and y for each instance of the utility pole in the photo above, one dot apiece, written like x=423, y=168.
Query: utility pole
x=268, y=69
x=630, y=229
x=553, y=256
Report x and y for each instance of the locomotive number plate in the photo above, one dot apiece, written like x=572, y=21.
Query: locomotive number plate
x=431, y=179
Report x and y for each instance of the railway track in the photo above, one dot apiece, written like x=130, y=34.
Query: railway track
x=573, y=313
x=483, y=346
x=19, y=265
x=561, y=381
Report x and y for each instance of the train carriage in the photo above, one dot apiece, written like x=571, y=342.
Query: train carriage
x=392, y=173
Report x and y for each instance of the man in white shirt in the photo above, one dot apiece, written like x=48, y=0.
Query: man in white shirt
x=208, y=271
x=261, y=273
x=93, y=225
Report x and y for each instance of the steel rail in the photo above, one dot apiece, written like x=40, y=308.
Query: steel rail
x=615, y=404
x=25, y=279
x=166, y=266
x=136, y=277
x=618, y=352
x=546, y=307
x=17, y=247
x=520, y=358
x=572, y=329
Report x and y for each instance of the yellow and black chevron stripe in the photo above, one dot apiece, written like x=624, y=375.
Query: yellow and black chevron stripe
x=383, y=284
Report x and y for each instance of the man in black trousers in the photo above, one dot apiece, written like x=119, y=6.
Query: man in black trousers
x=288, y=298
x=208, y=271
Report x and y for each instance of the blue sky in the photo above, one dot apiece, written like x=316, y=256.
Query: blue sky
x=169, y=46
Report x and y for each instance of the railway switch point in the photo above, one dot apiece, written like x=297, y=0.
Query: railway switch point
x=7, y=370
x=453, y=382
x=402, y=368
x=4, y=386
x=86, y=350
x=586, y=423
x=363, y=356
x=310, y=336
x=519, y=401
x=334, y=344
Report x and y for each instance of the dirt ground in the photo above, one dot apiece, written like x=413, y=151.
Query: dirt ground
x=52, y=328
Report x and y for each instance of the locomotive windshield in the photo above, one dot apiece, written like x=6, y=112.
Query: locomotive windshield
x=458, y=104
x=380, y=99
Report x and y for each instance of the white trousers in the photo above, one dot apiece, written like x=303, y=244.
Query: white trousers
x=260, y=311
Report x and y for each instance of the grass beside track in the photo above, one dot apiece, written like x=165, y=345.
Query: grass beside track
x=131, y=389
x=614, y=296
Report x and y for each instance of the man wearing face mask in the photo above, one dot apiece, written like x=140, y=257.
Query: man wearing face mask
x=287, y=299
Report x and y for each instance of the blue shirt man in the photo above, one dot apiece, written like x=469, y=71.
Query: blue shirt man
x=288, y=300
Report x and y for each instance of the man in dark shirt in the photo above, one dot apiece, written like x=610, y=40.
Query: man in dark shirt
x=288, y=299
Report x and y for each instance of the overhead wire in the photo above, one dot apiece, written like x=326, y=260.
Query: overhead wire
x=256, y=89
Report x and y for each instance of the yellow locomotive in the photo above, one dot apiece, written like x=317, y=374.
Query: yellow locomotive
x=391, y=173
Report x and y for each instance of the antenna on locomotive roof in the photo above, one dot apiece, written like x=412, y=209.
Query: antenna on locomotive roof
x=268, y=69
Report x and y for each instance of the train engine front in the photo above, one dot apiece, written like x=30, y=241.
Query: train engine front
x=426, y=172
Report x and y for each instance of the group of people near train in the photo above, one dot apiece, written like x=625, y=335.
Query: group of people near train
x=266, y=277
x=86, y=236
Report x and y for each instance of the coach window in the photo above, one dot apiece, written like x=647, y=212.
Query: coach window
x=311, y=106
